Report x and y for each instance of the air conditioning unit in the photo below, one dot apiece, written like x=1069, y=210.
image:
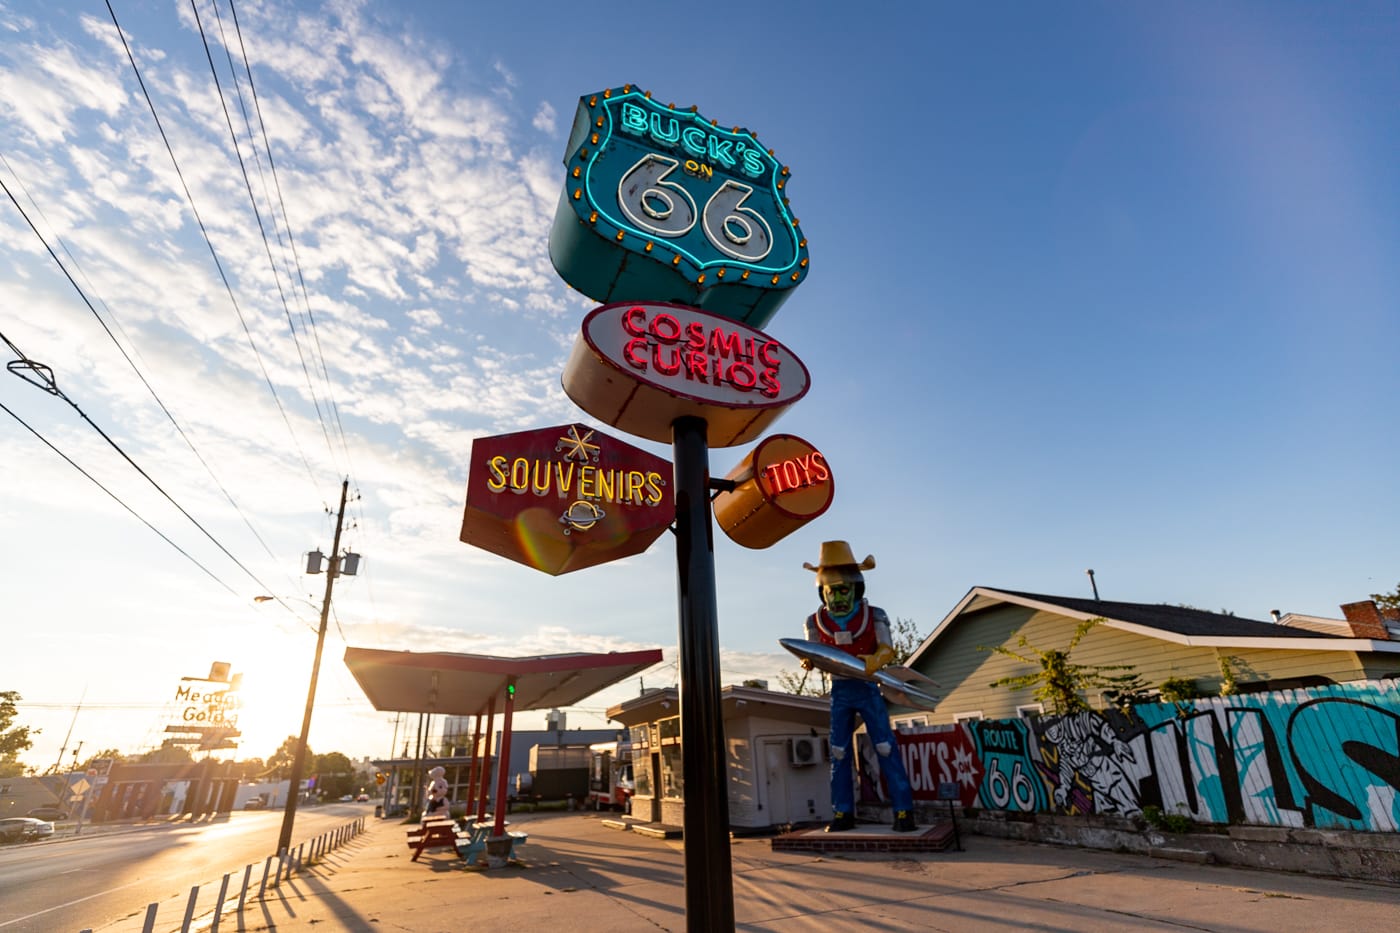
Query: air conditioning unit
x=806, y=751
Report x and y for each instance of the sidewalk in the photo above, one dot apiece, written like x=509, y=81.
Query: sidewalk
x=578, y=875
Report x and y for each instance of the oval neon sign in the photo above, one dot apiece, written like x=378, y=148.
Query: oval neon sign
x=641, y=365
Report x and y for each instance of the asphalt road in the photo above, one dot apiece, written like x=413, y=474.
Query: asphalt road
x=70, y=883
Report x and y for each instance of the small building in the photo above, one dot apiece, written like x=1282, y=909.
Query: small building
x=1161, y=642
x=777, y=751
x=137, y=791
x=20, y=794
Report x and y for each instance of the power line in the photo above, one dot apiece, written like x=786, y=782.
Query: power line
x=132, y=363
x=257, y=214
x=47, y=382
x=287, y=224
x=214, y=253
x=116, y=498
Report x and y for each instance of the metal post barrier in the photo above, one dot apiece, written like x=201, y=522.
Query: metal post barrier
x=219, y=904
x=189, y=910
x=243, y=893
x=150, y=923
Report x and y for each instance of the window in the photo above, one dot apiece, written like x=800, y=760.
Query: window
x=641, y=771
x=672, y=773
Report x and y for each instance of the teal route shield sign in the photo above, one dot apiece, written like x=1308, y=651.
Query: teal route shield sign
x=661, y=204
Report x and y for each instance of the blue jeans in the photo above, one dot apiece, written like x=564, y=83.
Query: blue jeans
x=849, y=697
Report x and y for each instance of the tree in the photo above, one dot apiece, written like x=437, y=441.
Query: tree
x=905, y=635
x=335, y=774
x=1388, y=600
x=249, y=769
x=99, y=759
x=13, y=740
x=279, y=763
x=1059, y=682
x=167, y=754
x=804, y=684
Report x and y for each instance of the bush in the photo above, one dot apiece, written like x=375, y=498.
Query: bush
x=1157, y=818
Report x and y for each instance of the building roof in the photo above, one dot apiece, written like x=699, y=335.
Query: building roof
x=467, y=684
x=1179, y=624
x=736, y=701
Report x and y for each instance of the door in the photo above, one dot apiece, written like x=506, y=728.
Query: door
x=775, y=768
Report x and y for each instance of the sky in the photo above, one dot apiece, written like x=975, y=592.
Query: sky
x=1092, y=285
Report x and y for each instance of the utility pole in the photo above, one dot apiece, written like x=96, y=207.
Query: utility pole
x=284, y=841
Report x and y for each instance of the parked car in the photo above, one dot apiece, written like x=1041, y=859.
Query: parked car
x=23, y=829
x=48, y=813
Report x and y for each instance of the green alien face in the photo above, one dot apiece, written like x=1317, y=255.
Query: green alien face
x=839, y=598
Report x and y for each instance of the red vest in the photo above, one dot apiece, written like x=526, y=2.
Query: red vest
x=861, y=628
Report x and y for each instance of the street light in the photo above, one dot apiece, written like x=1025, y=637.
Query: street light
x=284, y=840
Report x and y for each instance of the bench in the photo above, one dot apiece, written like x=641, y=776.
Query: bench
x=435, y=833
x=471, y=842
x=516, y=839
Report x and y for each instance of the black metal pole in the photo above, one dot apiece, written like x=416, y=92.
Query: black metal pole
x=284, y=840
x=709, y=881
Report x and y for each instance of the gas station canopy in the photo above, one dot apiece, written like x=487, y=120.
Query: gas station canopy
x=441, y=682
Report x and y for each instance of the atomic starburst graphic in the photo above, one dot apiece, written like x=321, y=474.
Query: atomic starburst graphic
x=578, y=448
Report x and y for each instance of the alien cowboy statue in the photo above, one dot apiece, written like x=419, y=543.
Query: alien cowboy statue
x=850, y=624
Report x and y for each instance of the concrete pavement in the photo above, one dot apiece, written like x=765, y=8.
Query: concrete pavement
x=578, y=875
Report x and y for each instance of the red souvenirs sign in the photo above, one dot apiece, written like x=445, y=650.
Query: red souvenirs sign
x=639, y=366
x=564, y=498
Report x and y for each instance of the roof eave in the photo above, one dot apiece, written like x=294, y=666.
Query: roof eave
x=1282, y=643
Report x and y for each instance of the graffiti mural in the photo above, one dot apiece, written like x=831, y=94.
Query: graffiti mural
x=1088, y=766
x=1324, y=757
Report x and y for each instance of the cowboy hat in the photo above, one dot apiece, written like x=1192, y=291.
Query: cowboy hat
x=837, y=564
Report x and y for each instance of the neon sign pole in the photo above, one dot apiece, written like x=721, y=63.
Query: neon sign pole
x=709, y=883
x=659, y=201
x=672, y=372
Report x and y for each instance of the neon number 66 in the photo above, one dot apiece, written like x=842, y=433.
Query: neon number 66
x=655, y=205
x=737, y=231
x=1004, y=791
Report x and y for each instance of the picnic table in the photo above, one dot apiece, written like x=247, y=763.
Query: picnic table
x=435, y=833
x=474, y=839
x=469, y=839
